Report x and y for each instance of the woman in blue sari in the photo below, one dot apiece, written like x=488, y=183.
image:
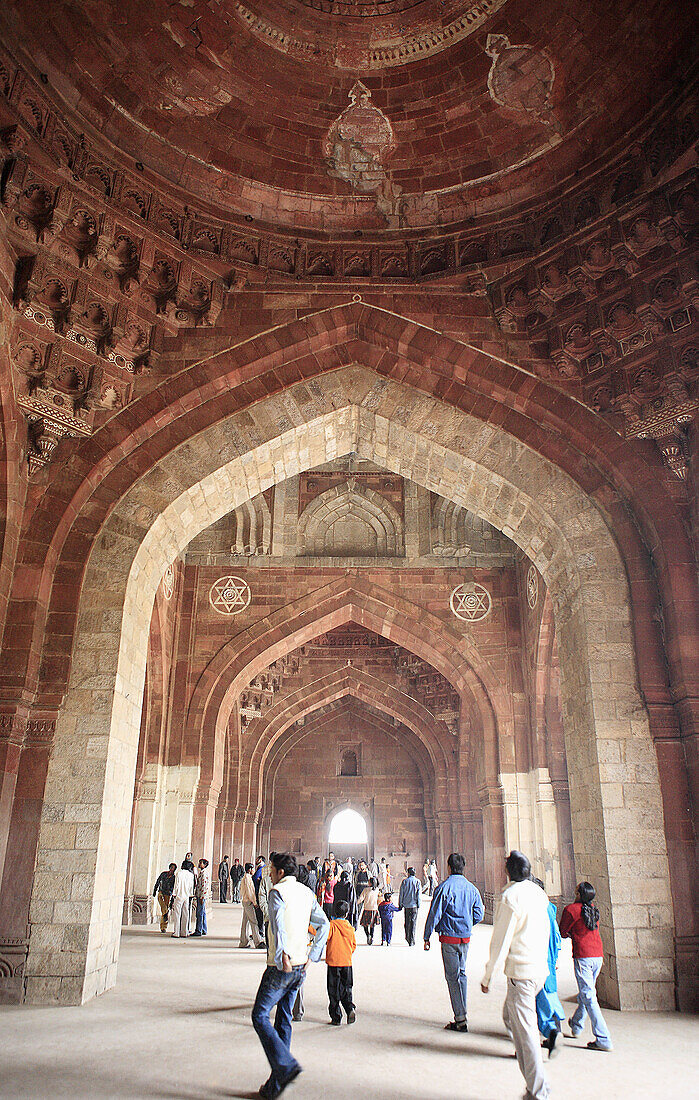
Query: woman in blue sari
x=549, y=1010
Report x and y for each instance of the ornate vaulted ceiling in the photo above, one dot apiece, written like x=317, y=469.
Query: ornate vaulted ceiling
x=346, y=114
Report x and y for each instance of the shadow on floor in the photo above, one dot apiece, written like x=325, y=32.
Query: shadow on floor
x=445, y=1047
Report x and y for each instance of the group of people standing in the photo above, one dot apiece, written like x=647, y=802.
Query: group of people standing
x=230, y=875
x=183, y=895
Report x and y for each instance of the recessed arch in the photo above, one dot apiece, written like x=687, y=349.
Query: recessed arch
x=349, y=599
x=341, y=503
x=382, y=722
x=478, y=465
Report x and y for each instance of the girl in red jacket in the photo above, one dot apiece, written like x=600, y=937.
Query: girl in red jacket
x=580, y=923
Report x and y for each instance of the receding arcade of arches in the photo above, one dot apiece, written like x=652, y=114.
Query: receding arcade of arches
x=488, y=771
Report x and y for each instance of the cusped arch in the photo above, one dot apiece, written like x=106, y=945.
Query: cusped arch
x=346, y=503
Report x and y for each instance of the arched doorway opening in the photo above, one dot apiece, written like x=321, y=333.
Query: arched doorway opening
x=549, y=517
x=348, y=834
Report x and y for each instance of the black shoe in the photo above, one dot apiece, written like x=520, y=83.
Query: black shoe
x=456, y=1026
x=336, y=1023
x=269, y=1090
x=287, y=1080
x=197, y=934
x=261, y=947
x=550, y=1043
x=351, y=1017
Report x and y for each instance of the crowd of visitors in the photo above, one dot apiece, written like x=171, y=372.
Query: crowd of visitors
x=295, y=912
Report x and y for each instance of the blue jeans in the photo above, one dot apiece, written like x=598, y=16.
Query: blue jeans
x=201, y=928
x=586, y=972
x=280, y=989
x=454, y=960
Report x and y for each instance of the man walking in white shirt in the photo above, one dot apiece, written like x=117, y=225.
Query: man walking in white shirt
x=520, y=942
x=292, y=909
x=249, y=901
x=181, y=893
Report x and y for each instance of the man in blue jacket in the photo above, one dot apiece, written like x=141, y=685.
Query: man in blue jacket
x=456, y=907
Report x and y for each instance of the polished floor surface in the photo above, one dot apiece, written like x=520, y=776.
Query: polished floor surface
x=178, y=1025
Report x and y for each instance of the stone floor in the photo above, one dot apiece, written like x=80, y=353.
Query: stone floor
x=178, y=1025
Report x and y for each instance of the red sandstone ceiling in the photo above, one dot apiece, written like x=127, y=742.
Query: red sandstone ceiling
x=462, y=108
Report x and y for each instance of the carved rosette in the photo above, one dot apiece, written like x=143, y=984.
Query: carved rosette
x=520, y=78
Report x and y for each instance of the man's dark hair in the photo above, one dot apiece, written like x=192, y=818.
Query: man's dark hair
x=284, y=862
x=456, y=863
x=344, y=877
x=518, y=866
x=342, y=909
x=311, y=865
x=373, y=882
x=260, y=858
x=411, y=870
x=171, y=866
x=248, y=867
x=205, y=861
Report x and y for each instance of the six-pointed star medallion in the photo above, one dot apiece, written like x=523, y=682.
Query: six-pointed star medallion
x=229, y=595
x=471, y=602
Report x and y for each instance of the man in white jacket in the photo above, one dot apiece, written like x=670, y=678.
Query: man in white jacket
x=181, y=893
x=520, y=943
x=292, y=909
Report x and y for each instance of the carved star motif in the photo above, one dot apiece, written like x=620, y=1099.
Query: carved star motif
x=229, y=595
x=471, y=602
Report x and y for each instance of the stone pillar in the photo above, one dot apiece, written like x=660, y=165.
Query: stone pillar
x=204, y=822
x=238, y=837
x=417, y=521
x=492, y=802
x=12, y=726
x=21, y=854
x=139, y=903
x=546, y=857
x=561, y=798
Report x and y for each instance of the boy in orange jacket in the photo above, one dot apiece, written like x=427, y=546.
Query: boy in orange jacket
x=339, y=949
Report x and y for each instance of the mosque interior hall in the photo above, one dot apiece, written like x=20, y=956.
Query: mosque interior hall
x=349, y=471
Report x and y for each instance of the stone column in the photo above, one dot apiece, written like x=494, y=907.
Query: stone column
x=144, y=866
x=21, y=853
x=12, y=726
x=204, y=822
x=561, y=797
x=492, y=801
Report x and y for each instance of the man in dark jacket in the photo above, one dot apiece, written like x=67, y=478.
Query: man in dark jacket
x=456, y=907
x=223, y=876
x=409, y=901
x=312, y=875
x=237, y=872
x=361, y=879
x=163, y=892
x=345, y=892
